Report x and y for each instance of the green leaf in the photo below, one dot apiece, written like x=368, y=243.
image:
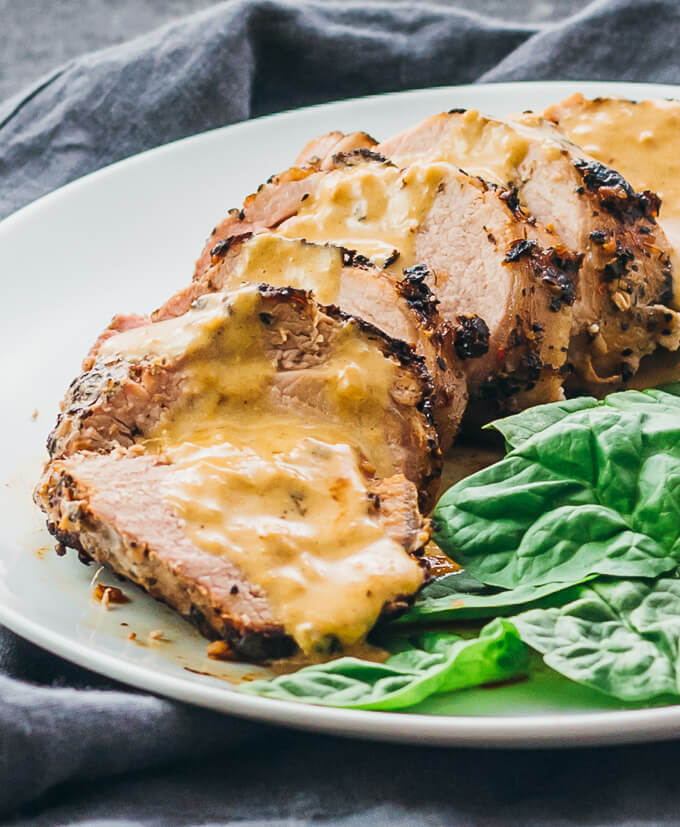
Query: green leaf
x=619, y=636
x=460, y=596
x=427, y=664
x=517, y=428
x=672, y=387
x=596, y=492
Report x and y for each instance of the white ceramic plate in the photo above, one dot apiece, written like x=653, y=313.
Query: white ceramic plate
x=121, y=240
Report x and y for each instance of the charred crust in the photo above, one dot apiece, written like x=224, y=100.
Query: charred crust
x=597, y=176
x=223, y=246
x=510, y=198
x=519, y=248
x=389, y=261
x=598, y=237
x=615, y=194
x=617, y=267
x=471, y=337
x=666, y=296
x=260, y=645
x=69, y=539
x=553, y=267
x=458, y=110
x=417, y=294
x=355, y=156
x=351, y=258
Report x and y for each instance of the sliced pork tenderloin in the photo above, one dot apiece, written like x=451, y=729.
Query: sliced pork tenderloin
x=404, y=308
x=257, y=463
x=640, y=140
x=623, y=303
x=256, y=351
x=455, y=230
x=118, y=509
x=320, y=150
x=278, y=198
x=503, y=283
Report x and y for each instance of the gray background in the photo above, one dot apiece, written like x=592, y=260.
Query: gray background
x=38, y=35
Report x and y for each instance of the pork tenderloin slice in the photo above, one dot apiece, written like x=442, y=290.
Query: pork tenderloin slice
x=320, y=150
x=249, y=356
x=114, y=508
x=279, y=196
x=509, y=306
x=639, y=139
x=404, y=308
x=625, y=285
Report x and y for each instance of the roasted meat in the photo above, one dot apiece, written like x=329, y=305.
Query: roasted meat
x=504, y=284
x=639, y=139
x=316, y=363
x=251, y=462
x=277, y=199
x=403, y=307
x=623, y=302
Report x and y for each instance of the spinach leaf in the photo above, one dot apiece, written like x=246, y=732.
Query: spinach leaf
x=671, y=387
x=519, y=427
x=597, y=492
x=425, y=665
x=460, y=596
x=621, y=637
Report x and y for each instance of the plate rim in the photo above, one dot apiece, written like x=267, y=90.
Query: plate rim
x=575, y=729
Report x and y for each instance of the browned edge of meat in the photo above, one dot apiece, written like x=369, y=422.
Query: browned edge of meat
x=638, y=139
x=110, y=509
x=319, y=149
x=507, y=286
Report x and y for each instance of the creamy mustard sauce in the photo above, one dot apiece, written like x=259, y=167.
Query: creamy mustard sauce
x=230, y=380
x=283, y=262
x=271, y=483
x=170, y=339
x=639, y=140
x=298, y=523
x=373, y=209
x=226, y=397
x=491, y=149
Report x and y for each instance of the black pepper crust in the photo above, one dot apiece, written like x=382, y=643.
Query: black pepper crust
x=356, y=156
x=510, y=198
x=556, y=269
x=505, y=384
x=617, y=267
x=615, y=193
x=418, y=296
x=224, y=245
x=352, y=258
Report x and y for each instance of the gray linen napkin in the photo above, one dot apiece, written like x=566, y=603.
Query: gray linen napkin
x=59, y=723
